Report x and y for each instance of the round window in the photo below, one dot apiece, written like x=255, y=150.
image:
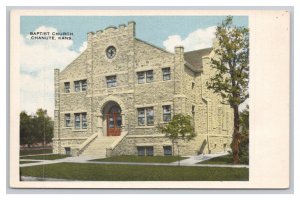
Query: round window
x=111, y=52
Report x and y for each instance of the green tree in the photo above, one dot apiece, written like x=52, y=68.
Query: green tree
x=26, y=127
x=43, y=126
x=179, y=128
x=244, y=141
x=36, y=128
x=231, y=63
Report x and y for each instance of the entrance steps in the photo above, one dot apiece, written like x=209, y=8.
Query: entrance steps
x=98, y=146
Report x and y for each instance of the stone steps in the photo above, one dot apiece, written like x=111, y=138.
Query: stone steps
x=98, y=146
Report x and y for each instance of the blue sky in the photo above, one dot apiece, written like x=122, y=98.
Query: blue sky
x=154, y=29
x=39, y=57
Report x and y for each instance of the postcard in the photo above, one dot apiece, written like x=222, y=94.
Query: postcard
x=149, y=99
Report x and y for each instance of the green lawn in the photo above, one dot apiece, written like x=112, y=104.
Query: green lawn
x=144, y=159
x=107, y=172
x=25, y=162
x=227, y=159
x=35, y=151
x=46, y=157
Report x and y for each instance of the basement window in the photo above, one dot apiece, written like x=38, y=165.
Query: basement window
x=145, y=151
x=167, y=150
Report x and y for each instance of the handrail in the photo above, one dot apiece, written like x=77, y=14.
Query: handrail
x=87, y=142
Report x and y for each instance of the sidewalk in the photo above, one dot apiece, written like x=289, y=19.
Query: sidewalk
x=191, y=161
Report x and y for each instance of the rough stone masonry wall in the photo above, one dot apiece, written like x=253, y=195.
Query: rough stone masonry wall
x=220, y=116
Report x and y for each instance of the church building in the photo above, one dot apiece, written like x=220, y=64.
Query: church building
x=111, y=98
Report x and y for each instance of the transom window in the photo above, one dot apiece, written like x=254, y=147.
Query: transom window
x=145, y=76
x=145, y=151
x=146, y=116
x=80, y=85
x=67, y=87
x=166, y=113
x=111, y=81
x=80, y=120
x=166, y=73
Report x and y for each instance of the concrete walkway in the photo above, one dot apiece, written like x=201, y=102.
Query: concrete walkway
x=190, y=161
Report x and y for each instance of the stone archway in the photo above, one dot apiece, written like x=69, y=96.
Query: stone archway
x=112, y=119
x=111, y=116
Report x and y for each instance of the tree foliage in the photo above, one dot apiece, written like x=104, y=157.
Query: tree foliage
x=231, y=64
x=179, y=128
x=37, y=128
x=244, y=141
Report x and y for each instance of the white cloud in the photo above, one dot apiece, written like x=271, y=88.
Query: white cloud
x=83, y=47
x=199, y=39
x=38, y=59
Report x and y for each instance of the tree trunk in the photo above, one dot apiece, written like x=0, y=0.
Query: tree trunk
x=236, y=136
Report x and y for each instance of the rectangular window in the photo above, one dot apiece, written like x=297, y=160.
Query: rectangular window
x=166, y=74
x=67, y=87
x=77, y=120
x=111, y=81
x=145, y=116
x=84, y=121
x=167, y=113
x=141, y=77
x=150, y=116
x=149, y=75
x=141, y=117
x=145, y=151
x=141, y=151
x=83, y=85
x=80, y=121
x=77, y=86
x=68, y=150
x=67, y=120
x=149, y=151
x=167, y=150
x=80, y=85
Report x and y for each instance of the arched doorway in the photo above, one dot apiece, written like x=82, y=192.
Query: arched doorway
x=112, y=119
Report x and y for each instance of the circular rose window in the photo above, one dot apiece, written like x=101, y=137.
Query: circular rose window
x=111, y=52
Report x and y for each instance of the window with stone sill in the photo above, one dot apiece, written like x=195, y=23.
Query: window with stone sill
x=167, y=150
x=146, y=116
x=84, y=121
x=166, y=73
x=80, y=85
x=80, y=121
x=166, y=113
x=145, y=77
x=111, y=81
x=145, y=151
x=67, y=87
x=68, y=120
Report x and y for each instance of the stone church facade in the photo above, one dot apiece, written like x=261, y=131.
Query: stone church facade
x=111, y=98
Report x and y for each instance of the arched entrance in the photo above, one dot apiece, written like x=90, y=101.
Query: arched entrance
x=112, y=119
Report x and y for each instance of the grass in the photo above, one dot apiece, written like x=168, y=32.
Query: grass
x=143, y=159
x=35, y=151
x=26, y=162
x=46, y=157
x=227, y=159
x=107, y=172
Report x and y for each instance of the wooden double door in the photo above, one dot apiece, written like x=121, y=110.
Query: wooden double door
x=114, y=121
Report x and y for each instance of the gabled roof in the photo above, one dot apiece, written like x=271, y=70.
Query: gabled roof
x=194, y=58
